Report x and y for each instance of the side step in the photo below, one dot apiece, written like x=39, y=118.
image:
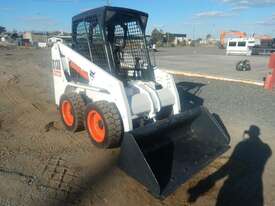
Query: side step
x=164, y=155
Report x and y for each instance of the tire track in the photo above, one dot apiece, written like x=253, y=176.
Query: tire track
x=62, y=183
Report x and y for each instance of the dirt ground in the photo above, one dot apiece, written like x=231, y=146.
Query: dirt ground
x=42, y=164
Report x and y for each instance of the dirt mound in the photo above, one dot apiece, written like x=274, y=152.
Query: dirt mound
x=7, y=46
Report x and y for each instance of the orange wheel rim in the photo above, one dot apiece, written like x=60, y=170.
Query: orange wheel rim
x=95, y=125
x=67, y=113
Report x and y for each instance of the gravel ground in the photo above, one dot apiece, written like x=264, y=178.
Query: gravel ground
x=211, y=61
x=42, y=164
x=237, y=104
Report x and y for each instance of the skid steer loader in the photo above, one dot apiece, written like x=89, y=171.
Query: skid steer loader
x=106, y=84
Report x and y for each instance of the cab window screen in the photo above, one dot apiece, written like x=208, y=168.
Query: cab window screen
x=134, y=50
x=97, y=44
x=81, y=40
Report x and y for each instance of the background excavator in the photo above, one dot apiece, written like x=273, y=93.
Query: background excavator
x=229, y=34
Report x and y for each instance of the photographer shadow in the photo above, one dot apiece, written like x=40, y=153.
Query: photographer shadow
x=243, y=172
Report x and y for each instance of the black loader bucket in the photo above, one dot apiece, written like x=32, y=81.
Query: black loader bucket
x=164, y=155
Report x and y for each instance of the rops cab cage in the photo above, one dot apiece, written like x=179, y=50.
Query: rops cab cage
x=114, y=39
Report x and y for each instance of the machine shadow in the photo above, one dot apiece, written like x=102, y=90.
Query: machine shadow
x=188, y=92
x=243, y=172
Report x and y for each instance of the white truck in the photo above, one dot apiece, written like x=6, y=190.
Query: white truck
x=240, y=46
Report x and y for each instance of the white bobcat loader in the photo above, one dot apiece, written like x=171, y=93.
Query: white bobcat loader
x=106, y=84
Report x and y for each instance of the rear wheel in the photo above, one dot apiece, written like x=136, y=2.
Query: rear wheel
x=103, y=124
x=71, y=109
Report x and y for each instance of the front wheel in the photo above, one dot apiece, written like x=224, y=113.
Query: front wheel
x=104, y=124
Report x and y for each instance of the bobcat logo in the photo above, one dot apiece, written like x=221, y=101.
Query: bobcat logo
x=92, y=75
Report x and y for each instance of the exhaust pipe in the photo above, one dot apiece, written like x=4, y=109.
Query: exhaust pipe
x=164, y=155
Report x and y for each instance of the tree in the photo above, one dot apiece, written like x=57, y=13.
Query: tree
x=199, y=40
x=208, y=36
x=169, y=38
x=14, y=36
x=157, y=36
x=2, y=29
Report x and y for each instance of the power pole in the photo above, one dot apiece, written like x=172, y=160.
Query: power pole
x=194, y=32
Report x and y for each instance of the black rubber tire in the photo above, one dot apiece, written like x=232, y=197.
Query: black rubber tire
x=247, y=67
x=112, y=123
x=78, y=108
x=239, y=66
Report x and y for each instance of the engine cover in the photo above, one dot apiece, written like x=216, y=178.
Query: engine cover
x=147, y=99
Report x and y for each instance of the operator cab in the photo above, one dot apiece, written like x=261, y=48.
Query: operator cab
x=114, y=39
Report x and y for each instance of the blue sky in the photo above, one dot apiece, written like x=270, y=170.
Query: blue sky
x=196, y=18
